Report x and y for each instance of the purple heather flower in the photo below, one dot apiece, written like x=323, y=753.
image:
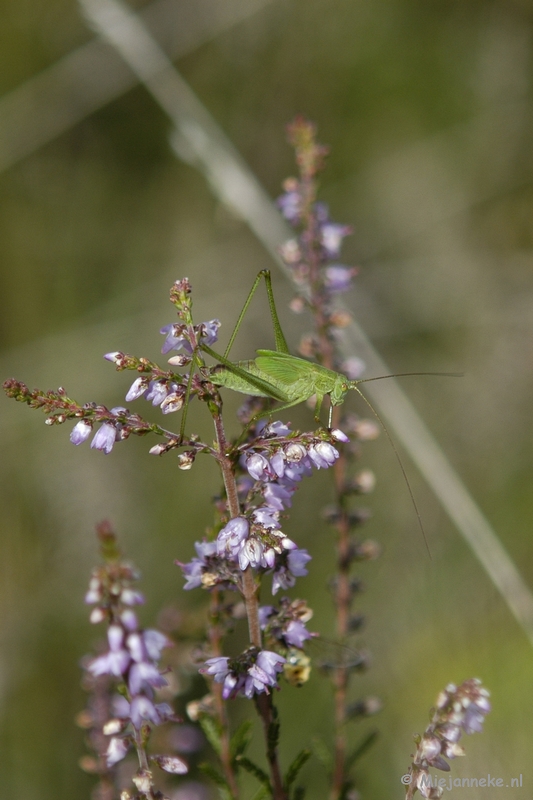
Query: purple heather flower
x=296, y=471
x=194, y=570
x=156, y=392
x=285, y=626
x=231, y=536
x=116, y=660
x=297, y=559
x=129, y=620
x=323, y=455
x=171, y=764
x=276, y=428
x=263, y=673
x=131, y=597
x=208, y=331
x=278, y=495
x=258, y=677
x=142, y=708
x=155, y=642
x=295, y=452
x=81, y=432
x=338, y=278
x=292, y=566
x=277, y=463
x=332, y=235
x=267, y=517
x=296, y=633
x=289, y=204
x=173, y=342
x=258, y=466
x=113, y=357
x=116, y=750
x=339, y=435
x=217, y=667
x=282, y=579
x=458, y=709
x=220, y=670
x=105, y=438
x=137, y=388
x=252, y=553
x=173, y=401
x=144, y=674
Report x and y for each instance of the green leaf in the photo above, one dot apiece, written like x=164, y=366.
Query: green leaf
x=212, y=732
x=241, y=739
x=217, y=778
x=323, y=754
x=365, y=745
x=256, y=771
x=295, y=767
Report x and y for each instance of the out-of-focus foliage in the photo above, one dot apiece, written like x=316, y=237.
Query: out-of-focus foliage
x=427, y=109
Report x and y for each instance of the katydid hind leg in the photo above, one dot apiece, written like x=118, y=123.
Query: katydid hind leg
x=281, y=344
x=400, y=462
x=266, y=388
x=242, y=315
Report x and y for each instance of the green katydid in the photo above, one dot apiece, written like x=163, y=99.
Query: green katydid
x=292, y=380
x=282, y=376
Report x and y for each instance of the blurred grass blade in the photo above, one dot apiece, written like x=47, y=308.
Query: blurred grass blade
x=93, y=75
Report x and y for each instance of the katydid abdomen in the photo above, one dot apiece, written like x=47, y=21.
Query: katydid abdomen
x=288, y=379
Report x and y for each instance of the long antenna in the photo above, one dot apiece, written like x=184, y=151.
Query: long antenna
x=396, y=453
x=406, y=375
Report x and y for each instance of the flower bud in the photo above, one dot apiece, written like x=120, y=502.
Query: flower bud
x=112, y=727
x=186, y=459
x=97, y=615
x=171, y=764
x=143, y=781
x=179, y=361
x=157, y=449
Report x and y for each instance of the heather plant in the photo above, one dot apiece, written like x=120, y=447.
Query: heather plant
x=247, y=555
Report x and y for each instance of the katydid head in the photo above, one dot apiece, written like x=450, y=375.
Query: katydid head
x=340, y=387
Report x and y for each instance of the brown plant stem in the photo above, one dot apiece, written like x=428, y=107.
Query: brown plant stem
x=215, y=640
x=326, y=357
x=264, y=704
x=144, y=765
x=267, y=712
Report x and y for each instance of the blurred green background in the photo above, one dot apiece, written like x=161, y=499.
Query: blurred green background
x=427, y=109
